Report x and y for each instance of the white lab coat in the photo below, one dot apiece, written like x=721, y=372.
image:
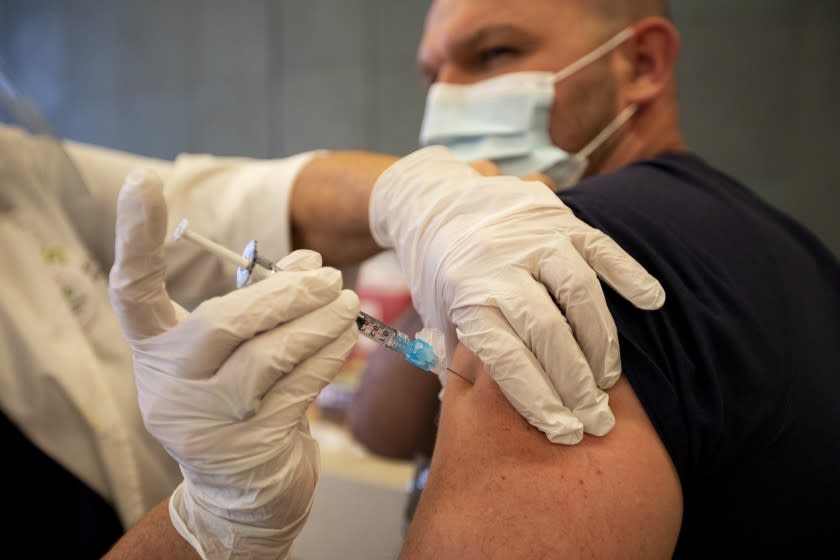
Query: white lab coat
x=66, y=376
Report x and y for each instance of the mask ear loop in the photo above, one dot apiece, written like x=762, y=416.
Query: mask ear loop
x=593, y=55
x=581, y=158
x=608, y=131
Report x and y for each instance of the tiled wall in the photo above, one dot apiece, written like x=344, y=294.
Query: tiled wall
x=758, y=81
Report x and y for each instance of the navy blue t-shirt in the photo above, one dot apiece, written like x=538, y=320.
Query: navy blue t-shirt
x=739, y=370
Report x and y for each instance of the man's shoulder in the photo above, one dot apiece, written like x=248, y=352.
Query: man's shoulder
x=664, y=184
x=679, y=208
x=498, y=488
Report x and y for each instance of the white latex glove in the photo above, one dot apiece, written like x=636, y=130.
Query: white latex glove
x=486, y=258
x=225, y=388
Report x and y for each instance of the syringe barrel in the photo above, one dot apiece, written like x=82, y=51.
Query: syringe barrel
x=379, y=331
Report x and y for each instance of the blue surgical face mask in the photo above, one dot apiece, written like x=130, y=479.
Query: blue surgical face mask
x=506, y=120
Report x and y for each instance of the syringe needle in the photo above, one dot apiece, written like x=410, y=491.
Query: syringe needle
x=183, y=230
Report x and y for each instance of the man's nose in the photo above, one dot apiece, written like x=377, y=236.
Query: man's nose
x=452, y=74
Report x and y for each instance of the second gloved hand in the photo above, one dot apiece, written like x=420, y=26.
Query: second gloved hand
x=225, y=388
x=503, y=265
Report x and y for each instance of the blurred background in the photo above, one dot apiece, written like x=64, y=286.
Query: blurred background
x=758, y=79
x=759, y=82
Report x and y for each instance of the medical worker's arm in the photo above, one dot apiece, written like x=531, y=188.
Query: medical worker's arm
x=498, y=489
x=329, y=205
x=228, y=199
x=153, y=536
x=226, y=387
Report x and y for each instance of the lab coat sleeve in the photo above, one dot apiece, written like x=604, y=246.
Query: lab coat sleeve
x=228, y=199
x=231, y=201
x=103, y=170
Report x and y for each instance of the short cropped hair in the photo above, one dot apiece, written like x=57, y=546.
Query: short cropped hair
x=628, y=11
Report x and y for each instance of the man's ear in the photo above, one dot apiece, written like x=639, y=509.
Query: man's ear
x=651, y=54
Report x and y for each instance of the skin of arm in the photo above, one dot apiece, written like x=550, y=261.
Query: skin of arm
x=498, y=489
x=329, y=205
x=393, y=411
x=151, y=538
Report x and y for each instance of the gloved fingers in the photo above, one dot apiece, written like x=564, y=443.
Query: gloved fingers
x=289, y=399
x=261, y=362
x=576, y=289
x=302, y=259
x=136, y=284
x=486, y=332
x=281, y=297
x=544, y=330
x=201, y=342
x=619, y=270
x=407, y=184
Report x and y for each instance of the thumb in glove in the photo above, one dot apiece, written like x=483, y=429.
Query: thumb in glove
x=136, y=283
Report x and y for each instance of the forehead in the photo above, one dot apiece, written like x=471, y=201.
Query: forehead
x=463, y=12
x=557, y=22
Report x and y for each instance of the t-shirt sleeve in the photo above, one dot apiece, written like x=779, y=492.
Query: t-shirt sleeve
x=658, y=348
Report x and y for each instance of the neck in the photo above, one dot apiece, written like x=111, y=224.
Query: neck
x=652, y=131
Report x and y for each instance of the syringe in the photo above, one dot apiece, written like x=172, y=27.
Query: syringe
x=252, y=268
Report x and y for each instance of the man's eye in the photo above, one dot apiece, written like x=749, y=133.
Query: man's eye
x=489, y=56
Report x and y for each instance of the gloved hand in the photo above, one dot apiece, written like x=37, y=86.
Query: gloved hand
x=226, y=387
x=486, y=258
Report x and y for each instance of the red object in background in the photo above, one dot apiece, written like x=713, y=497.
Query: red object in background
x=382, y=294
x=384, y=303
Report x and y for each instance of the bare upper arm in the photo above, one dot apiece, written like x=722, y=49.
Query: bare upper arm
x=499, y=489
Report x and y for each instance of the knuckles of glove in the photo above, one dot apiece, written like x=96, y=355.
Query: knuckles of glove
x=197, y=346
x=273, y=376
